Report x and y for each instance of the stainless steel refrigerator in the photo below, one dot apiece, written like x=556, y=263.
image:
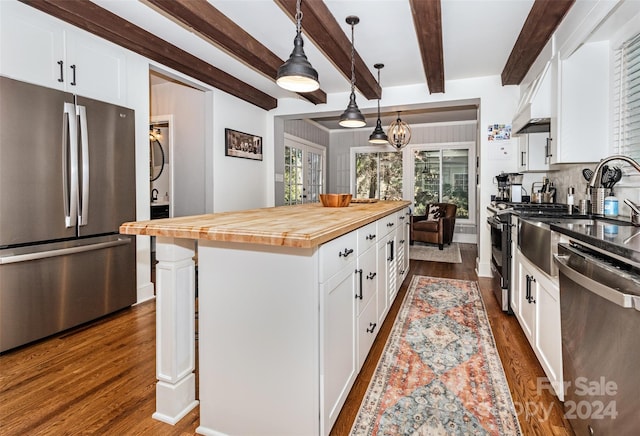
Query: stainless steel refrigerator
x=67, y=182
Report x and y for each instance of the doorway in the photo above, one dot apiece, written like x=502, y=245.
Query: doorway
x=304, y=171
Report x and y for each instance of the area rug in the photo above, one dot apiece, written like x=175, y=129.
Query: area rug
x=440, y=373
x=449, y=253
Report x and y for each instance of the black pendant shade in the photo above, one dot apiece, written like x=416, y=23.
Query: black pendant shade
x=378, y=136
x=352, y=117
x=297, y=74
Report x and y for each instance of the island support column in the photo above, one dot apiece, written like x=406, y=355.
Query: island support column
x=175, y=329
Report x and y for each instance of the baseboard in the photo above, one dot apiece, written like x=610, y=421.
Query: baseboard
x=145, y=293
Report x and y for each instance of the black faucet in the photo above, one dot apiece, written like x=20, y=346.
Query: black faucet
x=154, y=194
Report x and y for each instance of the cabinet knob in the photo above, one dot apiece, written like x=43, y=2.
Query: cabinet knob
x=346, y=252
x=370, y=237
x=389, y=224
x=371, y=275
x=372, y=327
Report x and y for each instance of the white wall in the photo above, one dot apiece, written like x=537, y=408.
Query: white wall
x=239, y=183
x=138, y=100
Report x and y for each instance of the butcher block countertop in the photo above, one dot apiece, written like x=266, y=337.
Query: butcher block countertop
x=303, y=226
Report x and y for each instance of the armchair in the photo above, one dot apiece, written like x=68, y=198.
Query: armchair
x=436, y=227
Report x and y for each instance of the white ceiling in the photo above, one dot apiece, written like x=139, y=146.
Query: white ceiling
x=478, y=36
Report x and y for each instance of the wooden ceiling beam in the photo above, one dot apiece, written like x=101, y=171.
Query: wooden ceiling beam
x=94, y=19
x=542, y=21
x=215, y=27
x=320, y=26
x=427, y=20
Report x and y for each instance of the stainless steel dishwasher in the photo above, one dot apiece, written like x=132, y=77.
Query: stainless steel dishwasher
x=600, y=313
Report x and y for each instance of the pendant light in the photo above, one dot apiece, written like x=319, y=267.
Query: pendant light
x=378, y=136
x=352, y=117
x=297, y=74
x=399, y=133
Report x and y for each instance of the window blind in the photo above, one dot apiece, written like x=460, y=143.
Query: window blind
x=626, y=99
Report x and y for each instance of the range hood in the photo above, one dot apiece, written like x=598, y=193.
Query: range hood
x=534, y=110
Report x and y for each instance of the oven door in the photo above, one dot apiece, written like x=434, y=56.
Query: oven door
x=500, y=258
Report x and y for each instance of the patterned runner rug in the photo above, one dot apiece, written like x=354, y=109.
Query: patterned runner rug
x=440, y=373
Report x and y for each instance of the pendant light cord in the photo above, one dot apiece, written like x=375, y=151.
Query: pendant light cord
x=380, y=93
x=353, y=63
x=298, y=17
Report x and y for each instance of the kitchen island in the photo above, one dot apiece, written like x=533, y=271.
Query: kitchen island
x=288, y=303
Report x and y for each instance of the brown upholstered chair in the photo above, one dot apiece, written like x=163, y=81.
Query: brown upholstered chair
x=437, y=226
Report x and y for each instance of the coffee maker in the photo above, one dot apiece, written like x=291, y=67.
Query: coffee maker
x=503, y=187
x=515, y=187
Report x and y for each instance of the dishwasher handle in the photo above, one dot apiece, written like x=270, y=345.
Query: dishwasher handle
x=604, y=291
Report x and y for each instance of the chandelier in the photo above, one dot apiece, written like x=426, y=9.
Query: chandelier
x=399, y=133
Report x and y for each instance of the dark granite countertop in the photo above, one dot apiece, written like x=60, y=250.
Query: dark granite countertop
x=616, y=236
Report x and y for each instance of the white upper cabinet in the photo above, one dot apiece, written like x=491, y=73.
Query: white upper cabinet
x=40, y=49
x=533, y=150
x=580, y=131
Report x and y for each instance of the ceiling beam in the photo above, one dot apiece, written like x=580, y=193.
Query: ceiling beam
x=542, y=21
x=427, y=20
x=327, y=34
x=204, y=19
x=94, y=19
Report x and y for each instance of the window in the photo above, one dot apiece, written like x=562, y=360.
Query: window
x=303, y=171
x=378, y=175
x=441, y=175
x=626, y=132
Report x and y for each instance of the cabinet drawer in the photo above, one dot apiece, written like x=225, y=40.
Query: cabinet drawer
x=336, y=254
x=366, y=277
x=367, y=237
x=367, y=330
x=403, y=218
x=387, y=224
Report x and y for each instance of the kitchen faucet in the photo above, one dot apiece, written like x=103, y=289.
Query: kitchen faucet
x=154, y=194
x=635, y=215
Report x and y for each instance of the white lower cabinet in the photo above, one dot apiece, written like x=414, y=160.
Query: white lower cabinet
x=366, y=297
x=402, y=251
x=368, y=327
x=382, y=295
x=538, y=311
x=339, y=342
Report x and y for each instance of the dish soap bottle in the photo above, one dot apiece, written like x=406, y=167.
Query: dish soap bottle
x=611, y=205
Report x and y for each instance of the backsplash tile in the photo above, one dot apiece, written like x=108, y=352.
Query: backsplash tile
x=571, y=175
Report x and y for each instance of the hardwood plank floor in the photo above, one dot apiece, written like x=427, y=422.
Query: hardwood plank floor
x=100, y=378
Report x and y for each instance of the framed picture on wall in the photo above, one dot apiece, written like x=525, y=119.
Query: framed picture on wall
x=239, y=144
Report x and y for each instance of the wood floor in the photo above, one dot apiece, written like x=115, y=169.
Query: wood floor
x=100, y=379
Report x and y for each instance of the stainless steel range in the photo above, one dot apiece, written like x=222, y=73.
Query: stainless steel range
x=500, y=220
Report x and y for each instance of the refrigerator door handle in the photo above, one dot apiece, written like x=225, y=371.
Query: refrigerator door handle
x=70, y=164
x=83, y=216
x=62, y=251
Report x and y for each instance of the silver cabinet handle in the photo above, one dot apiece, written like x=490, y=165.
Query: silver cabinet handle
x=613, y=295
